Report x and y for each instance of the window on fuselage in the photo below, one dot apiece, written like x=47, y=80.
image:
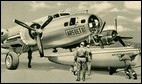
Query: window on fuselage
x=83, y=21
x=72, y=21
x=66, y=24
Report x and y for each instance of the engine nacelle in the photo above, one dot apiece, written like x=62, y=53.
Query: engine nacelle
x=4, y=34
x=27, y=37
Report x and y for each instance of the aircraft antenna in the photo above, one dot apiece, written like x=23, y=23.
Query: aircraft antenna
x=116, y=24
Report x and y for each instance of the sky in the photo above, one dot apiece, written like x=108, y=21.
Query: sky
x=128, y=13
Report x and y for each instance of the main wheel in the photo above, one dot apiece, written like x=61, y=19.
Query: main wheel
x=11, y=60
x=112, y=70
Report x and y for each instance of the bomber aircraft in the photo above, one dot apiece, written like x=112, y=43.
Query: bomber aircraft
x=60, y=30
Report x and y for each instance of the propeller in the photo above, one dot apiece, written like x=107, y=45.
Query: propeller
x=38, y=30
x=116, y=37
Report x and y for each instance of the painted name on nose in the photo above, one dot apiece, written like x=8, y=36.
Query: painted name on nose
x=75, y=31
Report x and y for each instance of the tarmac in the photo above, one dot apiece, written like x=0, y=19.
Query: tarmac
x=44, y=71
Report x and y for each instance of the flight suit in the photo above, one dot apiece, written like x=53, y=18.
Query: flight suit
x=128, y=67
x=80, y=59
x=88, y=60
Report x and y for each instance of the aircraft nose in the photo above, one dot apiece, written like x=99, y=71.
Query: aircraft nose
x=94, y=23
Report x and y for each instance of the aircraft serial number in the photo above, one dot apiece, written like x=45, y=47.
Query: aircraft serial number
x=75, y=31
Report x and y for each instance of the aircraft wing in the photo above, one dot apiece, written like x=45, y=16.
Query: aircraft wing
x=98, y=54
x=119, y=50
x=60, y=54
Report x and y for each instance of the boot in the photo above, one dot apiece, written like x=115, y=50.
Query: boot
x=83, y=79
x=78, y=79
x=135, y=76
x=29, y=63
x=29, y=66
x=129, y=76
x=78, y=76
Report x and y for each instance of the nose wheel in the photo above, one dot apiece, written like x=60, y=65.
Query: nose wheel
x=11, y=60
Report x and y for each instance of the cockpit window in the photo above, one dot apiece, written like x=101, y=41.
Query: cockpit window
x=56, y=16
x=66, y=24
x=64, y=14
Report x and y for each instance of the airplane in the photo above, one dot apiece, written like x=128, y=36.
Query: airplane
x=108, y=37
x=60, y=30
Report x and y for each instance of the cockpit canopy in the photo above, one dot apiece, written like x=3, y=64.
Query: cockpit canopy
x=60, y=14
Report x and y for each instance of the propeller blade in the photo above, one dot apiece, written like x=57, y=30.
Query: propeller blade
x=23, y=24
x=47, y=22
x=101, y=43
x=102, y=28
x=39, y=45
x=112, y=39
x=121, y=41
x=126, y=37
x=93, y=39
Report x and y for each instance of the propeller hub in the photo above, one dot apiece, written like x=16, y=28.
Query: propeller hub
x=38, y=30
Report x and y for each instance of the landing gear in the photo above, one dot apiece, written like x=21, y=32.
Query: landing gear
x=112, y=70
x=11, y=60
x=70, y=49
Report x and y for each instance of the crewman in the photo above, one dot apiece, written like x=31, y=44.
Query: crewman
x=29, y=57
x=88, y=60
x=74, y=67
x=80, y=59
x=128, y=65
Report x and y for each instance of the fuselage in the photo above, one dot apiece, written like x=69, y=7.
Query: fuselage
x=60, y=32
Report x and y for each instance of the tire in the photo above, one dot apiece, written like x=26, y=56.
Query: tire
x=11, y=60
x=112, y=70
